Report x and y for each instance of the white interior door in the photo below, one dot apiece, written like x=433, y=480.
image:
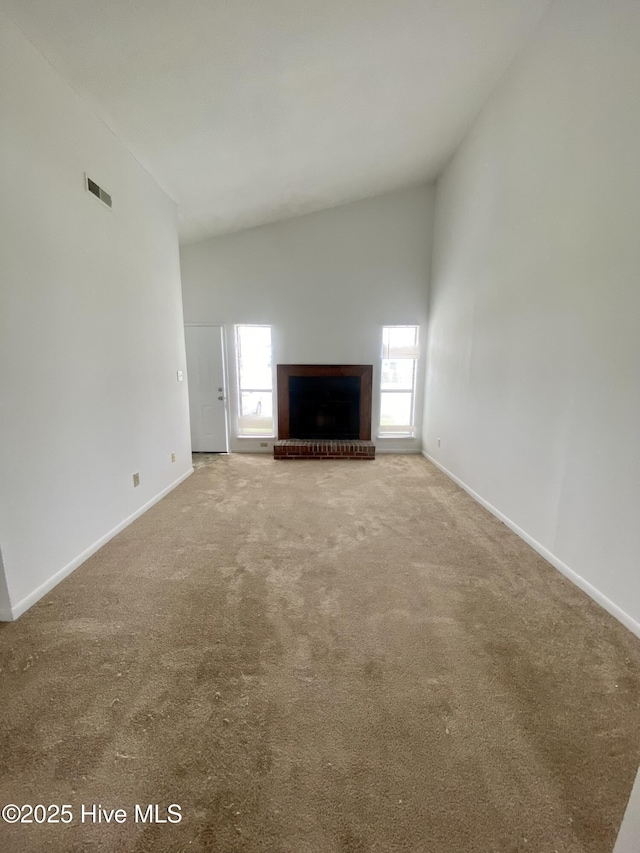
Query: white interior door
x=207, y=389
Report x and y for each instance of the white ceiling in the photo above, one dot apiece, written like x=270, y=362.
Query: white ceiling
x=248, y=111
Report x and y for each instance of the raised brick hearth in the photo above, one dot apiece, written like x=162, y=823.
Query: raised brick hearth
x=298, y=448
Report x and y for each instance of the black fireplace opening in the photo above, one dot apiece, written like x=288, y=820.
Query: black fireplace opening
x=324, y=407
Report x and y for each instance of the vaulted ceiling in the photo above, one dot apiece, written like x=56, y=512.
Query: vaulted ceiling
x=248, y=111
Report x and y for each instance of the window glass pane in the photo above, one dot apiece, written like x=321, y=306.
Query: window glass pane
x=395, y=410
x=257, y=403
x=402, y=336
x=400, y=342
x=254, y=425
x=397, y=373
x=254, y=357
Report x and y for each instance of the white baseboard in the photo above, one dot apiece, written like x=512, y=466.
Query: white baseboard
x=29, y=600
x=6, y=615
x=569, y=573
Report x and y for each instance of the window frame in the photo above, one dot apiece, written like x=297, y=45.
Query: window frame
x=400, y=433
x=240, y=390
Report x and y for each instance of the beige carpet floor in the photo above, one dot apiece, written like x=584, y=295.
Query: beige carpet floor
x=320, y=657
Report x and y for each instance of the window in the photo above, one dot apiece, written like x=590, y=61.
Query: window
x=398, y=385
x=255, y=380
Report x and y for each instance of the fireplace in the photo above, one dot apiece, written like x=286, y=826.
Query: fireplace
x=324, y=401
x=324, y=411
x=324, y=407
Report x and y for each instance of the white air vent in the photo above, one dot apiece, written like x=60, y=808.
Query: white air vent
x=98, y=192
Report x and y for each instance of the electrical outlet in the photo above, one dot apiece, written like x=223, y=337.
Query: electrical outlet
x=173, y=457
x=136, y=479
x=264, y=444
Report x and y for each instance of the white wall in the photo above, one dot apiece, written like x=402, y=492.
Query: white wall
x=533, y=380
x=628, y=840
x=327, y=283
x=90, y=330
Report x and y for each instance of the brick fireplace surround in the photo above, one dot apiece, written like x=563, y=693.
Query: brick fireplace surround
x=287, y=447
x=300, y=448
